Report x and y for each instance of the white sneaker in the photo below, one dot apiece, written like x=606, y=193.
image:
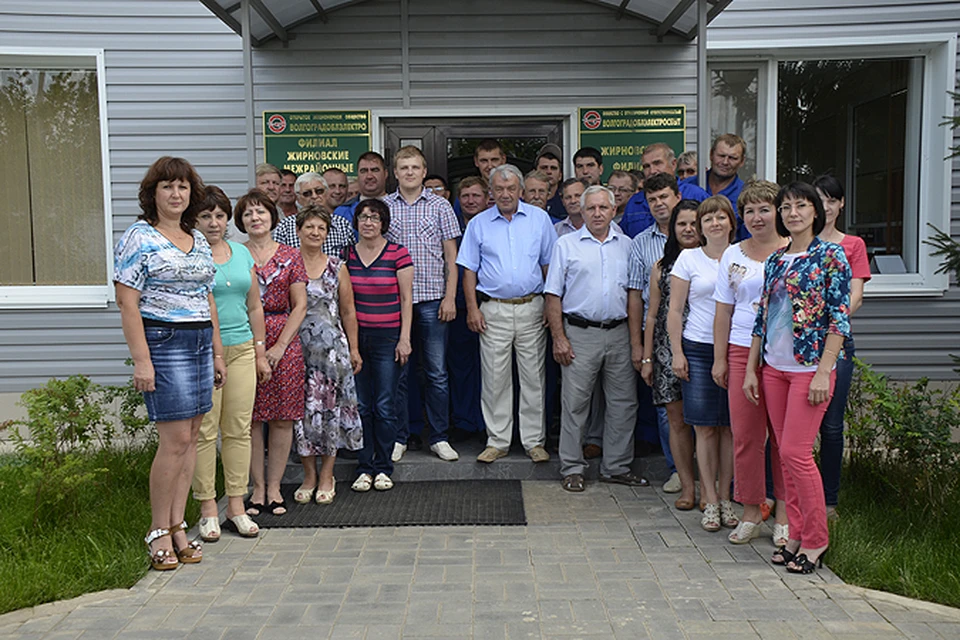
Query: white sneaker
x=672, y=485
x=444, y=451
x=398, y=451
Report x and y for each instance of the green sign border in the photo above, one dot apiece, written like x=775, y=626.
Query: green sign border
x=630, y=136
x=352, y=149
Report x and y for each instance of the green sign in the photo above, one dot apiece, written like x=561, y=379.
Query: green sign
x=303, y=141
x=621, y=133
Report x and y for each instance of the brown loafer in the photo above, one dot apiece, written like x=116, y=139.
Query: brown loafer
x=629, y=478
x=538, y=454
x=591, y=451
x=682, y=504
x=573, y=483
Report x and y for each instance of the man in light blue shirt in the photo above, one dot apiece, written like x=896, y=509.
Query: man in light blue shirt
x=587, y=310
x=505, y=252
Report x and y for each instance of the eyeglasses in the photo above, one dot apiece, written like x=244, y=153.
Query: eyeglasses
x=368, y=217
x=438, y=189
x=801, y=206
x=308, y=193
x=686, y=173
x=625, y=190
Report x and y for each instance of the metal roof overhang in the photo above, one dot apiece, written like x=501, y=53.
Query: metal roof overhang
x=271, y=19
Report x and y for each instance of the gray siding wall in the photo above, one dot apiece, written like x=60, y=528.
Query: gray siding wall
x=174, y=86
x=905, y=337
x=488, y=56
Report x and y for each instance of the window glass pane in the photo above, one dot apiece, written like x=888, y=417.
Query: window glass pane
x=733, y=109
x=850, y=118
x=53, y=204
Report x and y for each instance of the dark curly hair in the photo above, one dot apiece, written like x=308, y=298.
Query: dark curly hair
x=168, y=169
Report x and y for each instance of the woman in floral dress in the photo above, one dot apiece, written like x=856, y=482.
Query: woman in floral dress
x=329, y=338
x=280, y=401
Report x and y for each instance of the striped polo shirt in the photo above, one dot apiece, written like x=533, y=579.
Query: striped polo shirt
x=376, y=292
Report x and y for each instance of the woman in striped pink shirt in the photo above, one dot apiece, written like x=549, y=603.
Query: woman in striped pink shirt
x=381, y=273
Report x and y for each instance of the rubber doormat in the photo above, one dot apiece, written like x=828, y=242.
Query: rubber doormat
x=444, y=502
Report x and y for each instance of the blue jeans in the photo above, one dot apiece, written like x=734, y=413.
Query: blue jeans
x=430, y=342
x=663, y=430
x=831, y=429
x=377, y=398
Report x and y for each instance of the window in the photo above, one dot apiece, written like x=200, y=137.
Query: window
x=858, y=120
x=866, y=109
x=734, y=108
x=55, y=211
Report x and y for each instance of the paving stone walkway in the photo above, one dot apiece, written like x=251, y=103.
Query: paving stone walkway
x=612, y=562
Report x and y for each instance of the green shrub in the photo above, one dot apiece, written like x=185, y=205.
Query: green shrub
x=67, y=421
x=900, y=437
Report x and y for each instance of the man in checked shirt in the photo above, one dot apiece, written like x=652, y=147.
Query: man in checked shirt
x=426, y=225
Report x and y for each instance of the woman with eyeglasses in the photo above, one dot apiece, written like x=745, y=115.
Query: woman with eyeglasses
x=382, y=276
x=800, y=327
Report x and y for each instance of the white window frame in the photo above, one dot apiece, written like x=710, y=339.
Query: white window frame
x=68, y=296
x=939, y=53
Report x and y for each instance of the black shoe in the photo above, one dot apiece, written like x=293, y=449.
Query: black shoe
x=629, y=478
x=414, y=442
x=801, y=564
x=785, y=555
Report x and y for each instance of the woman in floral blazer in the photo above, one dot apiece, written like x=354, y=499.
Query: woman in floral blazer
x=802, y=320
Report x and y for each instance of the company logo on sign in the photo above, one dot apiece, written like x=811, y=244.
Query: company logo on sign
x=591, y=120
x=277, y=123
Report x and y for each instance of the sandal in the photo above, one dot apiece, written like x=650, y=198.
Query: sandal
x=781, y=534
x=252, y=508
x=745, y=532
x=363, y=483
x=209, y=528
x=782, y=555
x=161, y=559
x=242, y=525
x=573, y=483
x=277, y=508
x=683, y=504
x=383, y=482
x=801, y=564
x=326, y=497
x=728, y=516
x=711, y=517
x=303, y=496
x=193, y=552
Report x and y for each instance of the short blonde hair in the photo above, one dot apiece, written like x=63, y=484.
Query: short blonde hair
x=409, y=151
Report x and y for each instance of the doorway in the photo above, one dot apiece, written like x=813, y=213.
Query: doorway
x=448, y=143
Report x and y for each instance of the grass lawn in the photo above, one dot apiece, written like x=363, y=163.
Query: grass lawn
x=100, y=546
x=892, y=547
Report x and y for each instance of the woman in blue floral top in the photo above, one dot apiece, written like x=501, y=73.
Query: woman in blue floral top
x=803, y=318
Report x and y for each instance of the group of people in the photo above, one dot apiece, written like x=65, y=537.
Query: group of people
x=732, y=303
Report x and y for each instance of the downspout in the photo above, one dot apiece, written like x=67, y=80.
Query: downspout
x=703, y=97
x=248, y=90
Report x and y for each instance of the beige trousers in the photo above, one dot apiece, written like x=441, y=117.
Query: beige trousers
x=230, y=418
x=513, y=328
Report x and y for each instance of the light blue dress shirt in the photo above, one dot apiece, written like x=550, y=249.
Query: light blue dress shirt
x=591, y=276
x=506, y=254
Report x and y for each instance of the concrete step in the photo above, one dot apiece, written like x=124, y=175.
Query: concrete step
x=424, y=465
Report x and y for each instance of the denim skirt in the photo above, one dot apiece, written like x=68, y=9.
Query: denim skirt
x=704, y=403
x=182, y=360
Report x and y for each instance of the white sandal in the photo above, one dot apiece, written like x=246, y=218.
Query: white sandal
x=781, y=535
x=363, y=483
x=728, y=515
x=242, y=525
x=383, y=482
x=210, y=528
x=744, y=533
x=711, y=517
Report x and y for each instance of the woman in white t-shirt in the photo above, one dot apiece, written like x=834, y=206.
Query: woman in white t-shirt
x=737, y=296
x=705, y=405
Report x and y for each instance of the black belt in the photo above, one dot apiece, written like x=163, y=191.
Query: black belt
x=530, y=297
x=164, y=324
x=583, y=323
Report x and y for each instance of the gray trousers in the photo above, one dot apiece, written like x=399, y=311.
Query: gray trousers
x=600, y=354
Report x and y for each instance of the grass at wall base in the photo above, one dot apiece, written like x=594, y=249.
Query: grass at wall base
x=75, y=495
x=900, y=493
